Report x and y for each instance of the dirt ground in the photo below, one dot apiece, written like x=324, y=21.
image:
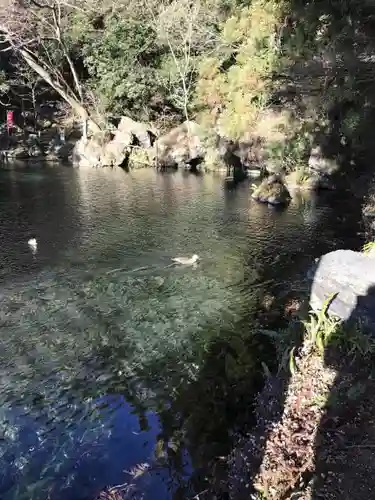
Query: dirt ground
x=315, y=436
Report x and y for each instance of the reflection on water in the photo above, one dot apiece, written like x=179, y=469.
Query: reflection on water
x=109, y=356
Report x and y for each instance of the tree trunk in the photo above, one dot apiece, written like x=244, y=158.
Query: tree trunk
x=76, y=106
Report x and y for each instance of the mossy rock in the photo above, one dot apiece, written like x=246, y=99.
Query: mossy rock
x=272, y=190
x=139, y=158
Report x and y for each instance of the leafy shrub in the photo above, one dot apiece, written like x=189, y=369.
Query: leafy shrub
x=291, y=154
x=122, y=63
x=241, y=92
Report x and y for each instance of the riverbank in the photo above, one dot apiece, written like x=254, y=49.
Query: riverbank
x=190, y=145
x=315, y=432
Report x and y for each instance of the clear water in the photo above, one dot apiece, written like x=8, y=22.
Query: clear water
x=111, y=358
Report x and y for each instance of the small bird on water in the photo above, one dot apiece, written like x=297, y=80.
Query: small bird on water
x=33, y=244
x=186, y=261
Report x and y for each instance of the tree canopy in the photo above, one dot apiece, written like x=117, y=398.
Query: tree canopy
x=287, y=71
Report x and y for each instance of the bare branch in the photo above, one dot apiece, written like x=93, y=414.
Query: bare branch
x=176, y=26
x=25, y=30
x=40, y=5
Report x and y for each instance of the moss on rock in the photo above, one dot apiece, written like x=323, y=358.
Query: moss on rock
x=272, y=190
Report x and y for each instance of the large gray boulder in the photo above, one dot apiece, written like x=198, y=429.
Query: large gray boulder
x=246, y=155
x=180, y=146
x=21, y=149
x=58, y=148
x=34, y=146
x=113, y=148
x=116, y=152
x=351, y=275
x=88, y=152
x=144, y=133
x=320, y=164
x=18, y=152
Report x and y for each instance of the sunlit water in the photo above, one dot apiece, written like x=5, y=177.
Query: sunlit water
x=110, y=357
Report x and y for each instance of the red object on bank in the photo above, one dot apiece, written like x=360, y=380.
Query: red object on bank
x=10, y=120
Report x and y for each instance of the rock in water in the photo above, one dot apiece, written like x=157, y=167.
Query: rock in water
x=34, y=146
x=112, y=148
x=272, y=190
x=180, y=146
x=144, y=132
x=352, y=276
x=19, y=152
x=88, y=152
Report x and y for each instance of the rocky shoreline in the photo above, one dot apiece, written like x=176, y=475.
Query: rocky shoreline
x=129, y=143
x=132, y=145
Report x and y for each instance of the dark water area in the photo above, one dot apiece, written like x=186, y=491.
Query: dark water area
x=113, y=362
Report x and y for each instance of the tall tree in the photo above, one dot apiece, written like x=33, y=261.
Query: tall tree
x=36, y=33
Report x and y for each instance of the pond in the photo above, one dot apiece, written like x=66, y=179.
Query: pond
x=116, y=367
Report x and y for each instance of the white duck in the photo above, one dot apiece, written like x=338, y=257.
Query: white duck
x=186, y=261
x=33, y=244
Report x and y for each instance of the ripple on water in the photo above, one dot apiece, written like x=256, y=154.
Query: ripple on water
x=105, y=350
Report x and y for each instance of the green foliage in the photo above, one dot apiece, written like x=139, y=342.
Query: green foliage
x=319, y=332
x=323, y=330
x=229, y=64
x=248, y=47
x=143, y=59
x=368, y=247
x=285, y=341
x=353, y=341
x=291, y=154
x=320, y=327
x=122, y=63
x=296, y=55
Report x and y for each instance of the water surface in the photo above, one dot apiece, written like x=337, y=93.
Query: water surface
x=110, y=358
